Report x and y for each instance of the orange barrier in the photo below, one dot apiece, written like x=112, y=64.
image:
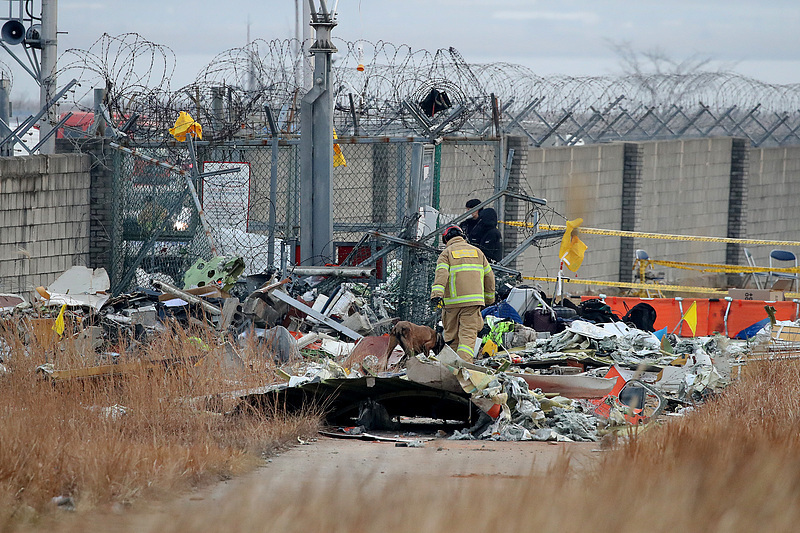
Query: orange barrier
x=710, y=313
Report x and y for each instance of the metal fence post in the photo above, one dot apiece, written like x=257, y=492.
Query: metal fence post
x=316, y=146
x=7, y=149
x=412, y=201
x=273, y=187
x=437, y=175
x=99, y=123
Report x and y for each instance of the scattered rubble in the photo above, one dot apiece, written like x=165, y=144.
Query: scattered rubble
x=543, y=372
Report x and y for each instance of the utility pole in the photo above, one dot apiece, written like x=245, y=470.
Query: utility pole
x=48, y=73
x=298, y=50
x=316, y=147
x=5, y=115
x=305, y=44
x=251, y=71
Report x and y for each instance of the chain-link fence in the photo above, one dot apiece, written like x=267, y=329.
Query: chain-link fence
x=158, y=230
x=155, y=224
x=468, y=170
x=248, y=215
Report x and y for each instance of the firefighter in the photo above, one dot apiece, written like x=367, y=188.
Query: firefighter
x=464, y=283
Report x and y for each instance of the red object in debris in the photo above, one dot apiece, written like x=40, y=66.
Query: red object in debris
x=576, y=364
x=369, y=345
x=316, y=345
x=364, y=252
x=602, y=408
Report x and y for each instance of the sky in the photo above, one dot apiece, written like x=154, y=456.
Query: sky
x=757, y=39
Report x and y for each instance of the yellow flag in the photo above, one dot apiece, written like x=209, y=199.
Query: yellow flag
x=338, y=156
x=572, y=248
x=58, y=326
x=186, y=124
x=691, y=317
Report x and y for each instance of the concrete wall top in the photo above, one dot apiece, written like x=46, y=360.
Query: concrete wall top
x=32, y=165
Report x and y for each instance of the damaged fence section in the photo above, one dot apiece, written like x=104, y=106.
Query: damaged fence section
x=156, y=226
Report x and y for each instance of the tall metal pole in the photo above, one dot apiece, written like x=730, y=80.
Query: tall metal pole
x=5, y=115
x=99, y=125
x=316, y=149
x=306, y=45
x=299, y=60
x=273, y=187
x=48, y=72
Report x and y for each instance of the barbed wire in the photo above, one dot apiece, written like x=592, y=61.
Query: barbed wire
x=230, y=93
x=127, y=66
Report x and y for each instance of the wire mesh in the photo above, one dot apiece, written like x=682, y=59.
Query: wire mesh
x=369, y=193
x=155, y=222
x=243, y=203
x=158, y=229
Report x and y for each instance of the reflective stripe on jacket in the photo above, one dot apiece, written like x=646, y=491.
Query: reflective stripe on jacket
x=463, y=276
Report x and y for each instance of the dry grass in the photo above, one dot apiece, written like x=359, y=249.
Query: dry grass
x=60, y=439
x=732, y=466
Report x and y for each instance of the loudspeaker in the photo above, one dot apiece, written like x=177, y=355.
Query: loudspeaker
x=33, y=37
x=13, y=32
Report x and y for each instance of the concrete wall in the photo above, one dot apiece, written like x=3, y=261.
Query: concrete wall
x=101, y=157
x=467, y=171
x=44, y=218
x=773, y=210
x=708, y=187
x=578, y=182
x=685, y=190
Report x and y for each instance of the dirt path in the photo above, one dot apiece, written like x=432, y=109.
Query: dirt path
x=301, y=480
x=327, y=460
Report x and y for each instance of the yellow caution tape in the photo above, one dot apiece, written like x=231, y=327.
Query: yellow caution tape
x=703, y=267
x=646, y=286
x=710, y=267
x=645, y=235
x=626, y=285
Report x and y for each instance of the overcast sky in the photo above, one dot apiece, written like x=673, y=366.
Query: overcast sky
x=759, y=39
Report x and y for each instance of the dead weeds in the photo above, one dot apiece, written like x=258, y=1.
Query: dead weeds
x=119, y=438
x=732, y=465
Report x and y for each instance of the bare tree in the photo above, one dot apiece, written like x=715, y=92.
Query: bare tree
x=662, y=79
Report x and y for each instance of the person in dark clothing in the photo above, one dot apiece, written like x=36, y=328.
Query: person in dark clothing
x=486, y=236
x=468, y=225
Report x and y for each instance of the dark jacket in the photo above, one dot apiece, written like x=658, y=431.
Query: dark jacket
x=468, y=225
x=486, y=236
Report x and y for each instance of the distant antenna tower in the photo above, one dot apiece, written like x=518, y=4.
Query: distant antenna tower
x=251, y=67
x=22, y=27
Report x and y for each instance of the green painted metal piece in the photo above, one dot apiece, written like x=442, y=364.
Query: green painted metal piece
x=222, y=271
